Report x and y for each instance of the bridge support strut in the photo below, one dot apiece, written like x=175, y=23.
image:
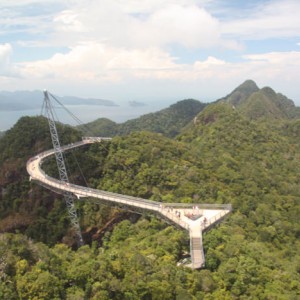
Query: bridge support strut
x=69, y=197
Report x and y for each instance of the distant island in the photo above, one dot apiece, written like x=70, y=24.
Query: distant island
x=28, y=100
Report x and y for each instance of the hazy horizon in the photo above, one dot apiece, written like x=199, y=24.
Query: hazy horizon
x=85, y=113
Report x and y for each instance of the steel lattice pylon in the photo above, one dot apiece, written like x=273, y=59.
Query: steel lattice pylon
x=69, y=197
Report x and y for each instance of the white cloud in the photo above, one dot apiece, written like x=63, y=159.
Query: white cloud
x=27, y=16
x=5, y=51
x=190, y=26
x=69, y=22
x=146, y=24
x=270, y=19
x=292, y=57
x=154, y=23
x=100, y=70
x=138, y=7
x=284, y=66
x=100, y=62
x=6, y=68
x=9, y=3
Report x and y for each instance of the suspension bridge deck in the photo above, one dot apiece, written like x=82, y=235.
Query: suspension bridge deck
x=195, y=218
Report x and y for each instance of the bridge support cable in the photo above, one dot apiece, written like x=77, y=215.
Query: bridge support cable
x=63, y=175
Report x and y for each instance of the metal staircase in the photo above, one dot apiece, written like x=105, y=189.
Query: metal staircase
x=196, y=249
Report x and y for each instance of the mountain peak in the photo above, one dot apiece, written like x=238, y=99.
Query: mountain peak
x=258, y=103
x=248, y=85
x=242, y=92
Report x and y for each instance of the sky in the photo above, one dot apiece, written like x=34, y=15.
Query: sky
x=149, y=50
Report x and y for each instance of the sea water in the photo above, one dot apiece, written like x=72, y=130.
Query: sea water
x=85, y=113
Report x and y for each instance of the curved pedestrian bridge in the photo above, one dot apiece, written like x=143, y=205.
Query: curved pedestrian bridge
x=195, y=218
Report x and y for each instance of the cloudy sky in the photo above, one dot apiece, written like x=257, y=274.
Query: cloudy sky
x=149, y=50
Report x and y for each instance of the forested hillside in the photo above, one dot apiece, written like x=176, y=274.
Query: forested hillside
x=258, y=103
x=227, y=154
x=25, y=207
x=168, y=121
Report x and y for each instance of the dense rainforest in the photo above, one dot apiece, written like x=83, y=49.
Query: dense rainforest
x=242, y=149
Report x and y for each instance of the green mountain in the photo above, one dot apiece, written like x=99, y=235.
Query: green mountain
x=221, y=157
x=258, y=103
x=24, y=207
x=224, y=155
x=100, y=127
x=168, y=121
x=241, y=93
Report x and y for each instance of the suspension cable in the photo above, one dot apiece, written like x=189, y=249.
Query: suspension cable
x=79, y=122
x=80, y=170
x=74, y=117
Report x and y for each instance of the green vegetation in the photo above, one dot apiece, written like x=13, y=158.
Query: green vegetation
x=168, y=121
x=241, y=93
x=258, y=103
x=247, y=155
x=23, y=206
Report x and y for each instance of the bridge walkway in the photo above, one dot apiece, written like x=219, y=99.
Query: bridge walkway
x=195, y=218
